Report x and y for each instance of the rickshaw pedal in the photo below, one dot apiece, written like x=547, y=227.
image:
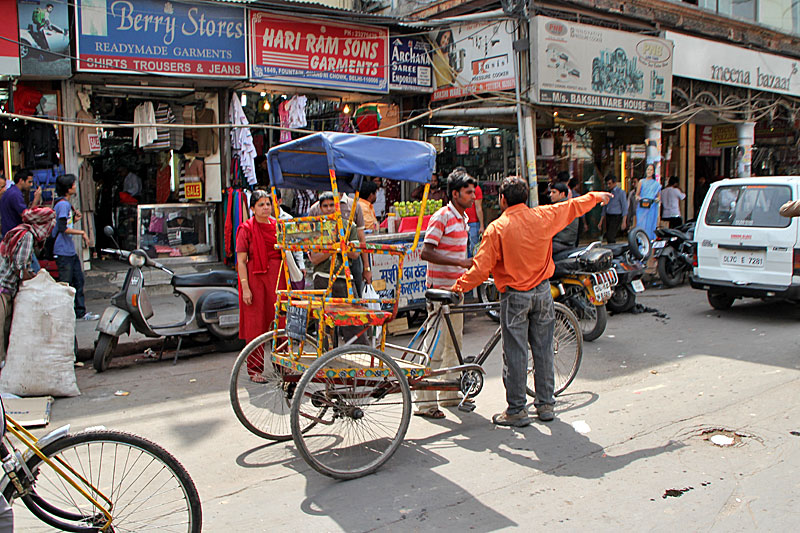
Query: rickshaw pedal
x=466, y=407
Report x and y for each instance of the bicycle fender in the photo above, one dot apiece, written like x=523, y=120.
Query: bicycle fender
x=115, y=321
x=53, y=436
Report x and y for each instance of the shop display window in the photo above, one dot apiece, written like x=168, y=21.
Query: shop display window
x=176, y=230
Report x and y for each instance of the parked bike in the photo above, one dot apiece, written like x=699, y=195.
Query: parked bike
x=584, y=281
x=676, y=253
x=628, y=263
x=212, y=306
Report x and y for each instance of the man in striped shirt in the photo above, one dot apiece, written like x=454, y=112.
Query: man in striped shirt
x=445, y=250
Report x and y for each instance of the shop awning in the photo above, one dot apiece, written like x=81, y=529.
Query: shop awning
x=305, y=163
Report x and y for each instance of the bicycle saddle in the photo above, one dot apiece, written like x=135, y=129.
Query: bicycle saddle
x=443, y=296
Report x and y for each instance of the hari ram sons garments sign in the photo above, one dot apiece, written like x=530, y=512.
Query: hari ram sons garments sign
x=318, y=53
x=701, y=59
x=152, y=36
x=588, y=66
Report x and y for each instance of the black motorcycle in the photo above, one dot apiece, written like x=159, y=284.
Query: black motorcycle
x=675, y=251
x=628, y=263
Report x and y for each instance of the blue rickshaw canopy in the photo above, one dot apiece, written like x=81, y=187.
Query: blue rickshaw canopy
x=305, y=163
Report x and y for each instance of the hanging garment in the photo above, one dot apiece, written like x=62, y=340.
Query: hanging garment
x=163, y=115
x=189, y=135
x=144, y=135
x=462, y=145
x=193, y=171
x=82, y=134
x=176, y=134
x=163, y=182
x=40, y=146
x=88, y=192
x=297, y=112
x=368, y=118
x=242, y=141
x=283, y=115
x=206, y=137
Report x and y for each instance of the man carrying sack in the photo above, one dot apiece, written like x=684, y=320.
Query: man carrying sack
x=16, y=255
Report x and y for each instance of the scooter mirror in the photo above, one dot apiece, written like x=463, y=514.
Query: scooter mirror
x=109, y=231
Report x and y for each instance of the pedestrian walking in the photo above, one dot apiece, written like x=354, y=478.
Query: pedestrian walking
x=614, y=214
x=648, y=196
x=671, y=198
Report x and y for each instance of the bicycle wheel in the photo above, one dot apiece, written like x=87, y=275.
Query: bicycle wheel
x=261, y=395
x=148, y=488
x=567, y=350
x=366, y=420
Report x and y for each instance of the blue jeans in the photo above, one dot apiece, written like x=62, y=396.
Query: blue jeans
x=527, y=318
x=474, y=237
x=70, y=271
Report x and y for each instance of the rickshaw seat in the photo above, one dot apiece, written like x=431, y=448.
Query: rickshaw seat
x=342, y=314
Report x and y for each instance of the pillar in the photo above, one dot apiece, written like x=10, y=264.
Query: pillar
x=529, y=123
x=745, y=133
x=653, y=144
x=688, y=202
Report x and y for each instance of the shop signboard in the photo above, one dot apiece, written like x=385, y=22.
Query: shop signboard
x=318, y=53
x=472, y=58
x=9, y=49
x=724, y=136
x=412, y=286
x=701, y=59
x=705, y=141
x=591, y=67
x=410, y=68
x=158, y=37
x=44, y=39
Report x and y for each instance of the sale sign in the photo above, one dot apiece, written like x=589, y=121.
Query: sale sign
x=156, y=36
x=318, y=53
x=193, y=190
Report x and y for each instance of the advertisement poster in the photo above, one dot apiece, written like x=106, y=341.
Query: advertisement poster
x=410, y=68
x=472, y=58
x=318, y=53
x=9, y=49
x=587, y=66
x=705, y=145
x=412, y=286
x=152, y=36
x=44, y=39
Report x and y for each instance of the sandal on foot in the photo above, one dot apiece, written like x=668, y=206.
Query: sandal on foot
x=258, y=378
x=433, y=413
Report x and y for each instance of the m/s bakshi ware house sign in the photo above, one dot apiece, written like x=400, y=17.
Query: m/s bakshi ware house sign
x=150, y=36
x=318, y=53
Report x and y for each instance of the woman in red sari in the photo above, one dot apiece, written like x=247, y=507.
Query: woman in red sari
x=259, y=268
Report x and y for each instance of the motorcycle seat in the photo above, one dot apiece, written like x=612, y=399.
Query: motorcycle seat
x=676, y=233
x=617, y=249
x=443, y=296
x=564, y=254
x=214, y=278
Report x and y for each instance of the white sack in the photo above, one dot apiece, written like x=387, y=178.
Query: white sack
x=41, y=350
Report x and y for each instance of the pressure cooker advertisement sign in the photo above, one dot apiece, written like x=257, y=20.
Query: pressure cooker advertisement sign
x=410, y=68
x=472, y=58
x=318, y=53
x=43, y=39
x=161, y=37
x=591, y=67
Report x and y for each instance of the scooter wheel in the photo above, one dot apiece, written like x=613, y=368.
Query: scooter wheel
x=622, y=300
x=103, y=351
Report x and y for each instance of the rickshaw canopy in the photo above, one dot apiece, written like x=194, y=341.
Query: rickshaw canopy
x=305, y=163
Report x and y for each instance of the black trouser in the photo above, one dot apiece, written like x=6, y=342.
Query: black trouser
x=674, y=222
x=70, y=271
x=613, y=223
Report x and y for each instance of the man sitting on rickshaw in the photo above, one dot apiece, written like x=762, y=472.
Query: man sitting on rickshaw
x=322, y=262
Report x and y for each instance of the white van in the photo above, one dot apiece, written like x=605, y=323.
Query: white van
x=745, y=248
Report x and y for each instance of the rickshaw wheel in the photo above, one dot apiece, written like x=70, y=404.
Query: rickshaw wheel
x=261, y=395
x=567, y=350
x=366, y=419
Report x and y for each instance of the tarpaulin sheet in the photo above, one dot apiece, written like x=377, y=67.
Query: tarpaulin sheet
x=304, y=163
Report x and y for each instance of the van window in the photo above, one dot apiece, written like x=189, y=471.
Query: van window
x=748, y=205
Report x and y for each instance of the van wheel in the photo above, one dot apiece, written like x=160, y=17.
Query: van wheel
x=720, y=300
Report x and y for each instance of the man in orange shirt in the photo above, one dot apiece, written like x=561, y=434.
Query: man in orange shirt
x=517, y=248
x=368, y=194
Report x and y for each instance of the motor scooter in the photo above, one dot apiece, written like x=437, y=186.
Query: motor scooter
x=676, y=252
x=629, y=263
x=211, y=298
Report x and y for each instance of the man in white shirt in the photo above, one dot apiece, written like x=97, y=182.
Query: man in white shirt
x=132, y=183
x=670, y=202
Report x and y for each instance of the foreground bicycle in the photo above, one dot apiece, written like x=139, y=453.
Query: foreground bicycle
x=96, y=481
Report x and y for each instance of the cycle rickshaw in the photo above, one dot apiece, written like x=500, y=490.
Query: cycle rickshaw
x=347, y=408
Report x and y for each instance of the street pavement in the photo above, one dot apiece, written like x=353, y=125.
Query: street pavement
x=650, y=392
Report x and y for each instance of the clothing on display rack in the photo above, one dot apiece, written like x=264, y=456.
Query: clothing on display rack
x=163, y=115
x=163, y=183
x=82, y=134
x=88, y=191
x=40, y=146
x=242, y=141
x=144, y=135
x=206, y=137
x=283, y=115
x=297, y=112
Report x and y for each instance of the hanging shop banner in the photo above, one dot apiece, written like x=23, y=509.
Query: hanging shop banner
x=44, y=39
x=9, y=49
x=158, y=37
x=318, y=53
x=597, y=68
x=410, y=68
x=701, y=59
x=472, y=58
x=705, y=140
x=724, y=136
